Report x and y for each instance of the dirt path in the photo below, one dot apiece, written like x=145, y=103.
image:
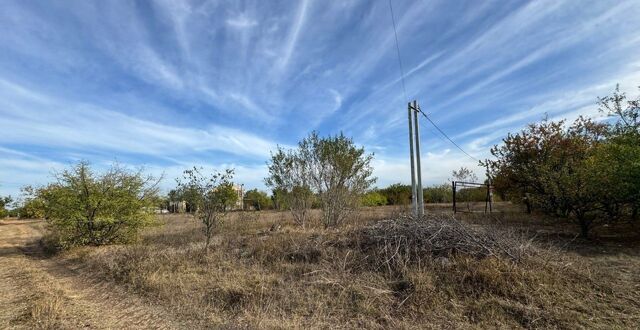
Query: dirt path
x=39, y=292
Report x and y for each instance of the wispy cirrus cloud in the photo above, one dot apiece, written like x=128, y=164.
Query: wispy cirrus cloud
x=242, y=21
x=79, y=126
x=168, y=83
x=294, y=33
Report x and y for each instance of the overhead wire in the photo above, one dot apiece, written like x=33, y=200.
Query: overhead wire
x=395, y=33
x=404, y=89
x=445, y=134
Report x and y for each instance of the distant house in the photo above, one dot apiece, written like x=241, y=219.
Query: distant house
x=177, y=206
x=240, y=201
x=183, y=206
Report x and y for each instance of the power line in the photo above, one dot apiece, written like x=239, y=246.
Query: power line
x=395, y=33
x=445, y=134
x=435, y=133
x=404, y=89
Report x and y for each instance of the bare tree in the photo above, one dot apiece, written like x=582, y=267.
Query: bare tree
x=341, y=173
x=332, y=167
x=627, y=111
x=464, y=174
x=289, y=175
x=211, y=196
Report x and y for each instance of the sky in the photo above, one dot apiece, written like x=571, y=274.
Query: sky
x=169, y=85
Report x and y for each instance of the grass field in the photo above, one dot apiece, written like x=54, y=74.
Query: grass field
x=264, y=272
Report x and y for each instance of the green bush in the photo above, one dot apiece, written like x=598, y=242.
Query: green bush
x=257, y=199
x=373, y=198
x=397, y=194
x=88, y=208
x=438, y=194
x=33, y=208
x=32, y=205
x=4, y=202
x=471, y=194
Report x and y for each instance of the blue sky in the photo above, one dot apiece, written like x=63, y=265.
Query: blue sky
x=172, y=84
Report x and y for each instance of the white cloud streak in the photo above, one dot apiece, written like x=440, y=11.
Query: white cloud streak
x=294, y=33
x=241, y=22
x=45, y=121
x=281, y=70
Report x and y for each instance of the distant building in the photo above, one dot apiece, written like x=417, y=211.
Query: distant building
x=177, y=206
x=183, y=206
x=240, y=201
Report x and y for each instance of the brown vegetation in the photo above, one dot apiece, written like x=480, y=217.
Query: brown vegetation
x=263, y=271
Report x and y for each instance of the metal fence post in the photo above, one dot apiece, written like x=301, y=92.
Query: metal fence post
x=453, y=189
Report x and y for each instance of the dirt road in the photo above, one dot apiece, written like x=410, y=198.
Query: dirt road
x=41, y=292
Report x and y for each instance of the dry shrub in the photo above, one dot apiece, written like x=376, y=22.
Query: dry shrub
x=440, y=268
x=271, y=247
x=246, y=216
x=398, y=243
x=399, y=273
x=45, y=311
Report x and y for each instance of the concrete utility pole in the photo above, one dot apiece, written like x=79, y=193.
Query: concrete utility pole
x=414, y=205
x=417, y=198
x=418, y=166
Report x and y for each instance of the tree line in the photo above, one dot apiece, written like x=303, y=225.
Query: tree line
x=395, y=194
x=586, y=171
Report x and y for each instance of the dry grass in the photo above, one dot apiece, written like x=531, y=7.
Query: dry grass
x=38, y=292
x=41, y=301
x=265, y=272
x=46, y=311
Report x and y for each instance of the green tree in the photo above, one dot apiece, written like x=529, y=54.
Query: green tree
x=180, y=194
x=211, y=196
x=332, y=168
x=33, y=208
x=438, y=194
x=84, y=207
x=340, y=171
x=549, y=162
x=4, y=203
x=625, y=111
x=290, y=179
x=258, y=199
x=173, y=200
x=32, y=204
x=278, y=199
x=618, y=160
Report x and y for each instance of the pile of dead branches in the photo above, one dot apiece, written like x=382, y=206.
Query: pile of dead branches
x=406, y=240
